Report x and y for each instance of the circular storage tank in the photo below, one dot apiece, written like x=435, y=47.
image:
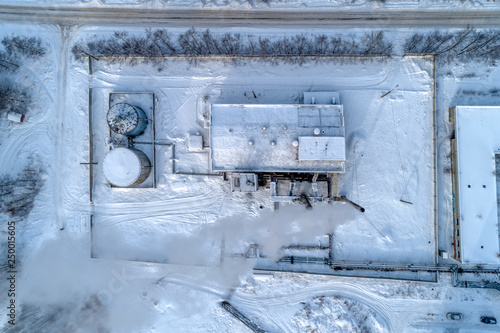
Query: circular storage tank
x=127, y=119
x=124, y=167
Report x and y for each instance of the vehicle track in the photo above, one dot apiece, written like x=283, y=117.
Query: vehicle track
x=264, y=304
x=169, y=206
x=62, y=79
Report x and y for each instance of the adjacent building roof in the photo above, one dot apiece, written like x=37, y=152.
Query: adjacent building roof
x=478, y=141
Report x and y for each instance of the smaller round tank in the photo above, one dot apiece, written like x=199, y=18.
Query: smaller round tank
x=127, y=119
x=124, y=167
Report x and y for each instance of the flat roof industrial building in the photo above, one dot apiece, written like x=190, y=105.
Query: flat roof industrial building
x=476, y=166
x=277, y=138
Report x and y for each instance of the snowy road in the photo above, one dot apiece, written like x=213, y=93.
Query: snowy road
x=289, y=18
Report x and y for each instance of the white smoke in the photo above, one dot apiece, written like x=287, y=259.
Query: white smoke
x=271, y=231
x=62, y=273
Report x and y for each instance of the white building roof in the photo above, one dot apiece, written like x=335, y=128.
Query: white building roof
x=478, y=140
x=259, y=138
x=321, y=148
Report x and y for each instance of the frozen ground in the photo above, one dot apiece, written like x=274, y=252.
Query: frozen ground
x=380, y=307
x=62, y=289
x=389, y=137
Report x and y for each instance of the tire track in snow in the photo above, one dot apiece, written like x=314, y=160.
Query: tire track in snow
x=189, y=281
x=27, y=133
x=116, y=213
x=62, y=79
x=12, y=149
x=264, y=305
x=136, y=219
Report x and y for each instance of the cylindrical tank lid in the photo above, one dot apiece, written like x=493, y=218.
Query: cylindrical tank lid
x=122, y=167
x=122, y=118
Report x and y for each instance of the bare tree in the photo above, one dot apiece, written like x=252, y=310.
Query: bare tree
x=191, y=43
x=375, y=44
x=321, y=44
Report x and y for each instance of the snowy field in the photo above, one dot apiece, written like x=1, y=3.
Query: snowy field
x=390, y=155
x=199, y=225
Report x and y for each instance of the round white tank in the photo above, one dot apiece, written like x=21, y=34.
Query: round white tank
x=124, y=167
x=127, y=119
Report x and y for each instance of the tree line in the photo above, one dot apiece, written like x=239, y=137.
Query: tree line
x=460, y=45
x=195, y=43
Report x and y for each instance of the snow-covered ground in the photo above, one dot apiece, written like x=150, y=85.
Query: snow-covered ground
x=196, y=224
x=299, y=304
x=385, y=137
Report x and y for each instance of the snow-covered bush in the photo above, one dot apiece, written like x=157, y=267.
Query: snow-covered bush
x=88, y=316
x=14, y=97
x=17, y=50
x=24, y=47
x=338, y=314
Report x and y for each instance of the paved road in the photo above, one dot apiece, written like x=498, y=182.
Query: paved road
x=213, y=18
